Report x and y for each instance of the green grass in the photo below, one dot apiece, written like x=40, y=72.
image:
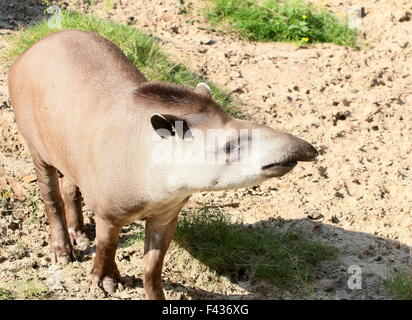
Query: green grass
x=31, y=289
x=137, y=234
x=5, y=201
x=275, y=20
x=32, y=203
x=234, y=249
x=399, y=285
x=5, y=294
x=28, y=289
x=140, y=48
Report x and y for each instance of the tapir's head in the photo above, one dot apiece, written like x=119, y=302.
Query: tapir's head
x=196, y=146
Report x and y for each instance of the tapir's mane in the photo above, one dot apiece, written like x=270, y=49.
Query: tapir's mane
x=172, y=95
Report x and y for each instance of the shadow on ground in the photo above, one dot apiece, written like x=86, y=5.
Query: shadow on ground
x=373, y=256
x=16, y=13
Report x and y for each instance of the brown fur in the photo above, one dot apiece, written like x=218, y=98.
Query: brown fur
x=84, y=110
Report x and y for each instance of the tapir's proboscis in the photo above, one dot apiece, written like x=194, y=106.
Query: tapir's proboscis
x=98, y=130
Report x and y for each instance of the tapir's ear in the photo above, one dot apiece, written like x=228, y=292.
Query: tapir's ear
x=167, y=125
x=203, y=89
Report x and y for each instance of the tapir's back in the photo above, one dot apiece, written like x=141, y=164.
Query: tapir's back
x=72, y=64
x=62, y=90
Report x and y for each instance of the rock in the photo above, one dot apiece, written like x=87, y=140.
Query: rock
x=326, y=284
x=346, y=102
x=131, y=20
x=334, y=219
x=340, y=116
x=175, y=29
x=322, y=172
x=4, y=105
x=406, y=17
x=314, y=215
x=14, y=225
x=207, y=41
x=339, y=195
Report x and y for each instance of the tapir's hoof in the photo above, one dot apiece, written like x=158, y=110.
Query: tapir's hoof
x=79, y=239
x=62, y=255
x=107, y=283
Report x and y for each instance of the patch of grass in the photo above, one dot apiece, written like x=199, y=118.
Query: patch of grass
x=5, y=205
x=399, y=284
x=286, y=260
x=137, y=234
x=108, y=6
x=32, y=203
x=32, y=289
x=5, y=294
x=142, y=50
x=275, y=20
x=17, y=251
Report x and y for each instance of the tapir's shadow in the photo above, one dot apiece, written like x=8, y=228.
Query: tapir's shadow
x=375, y=256
x=16, y=13
x=187, y=291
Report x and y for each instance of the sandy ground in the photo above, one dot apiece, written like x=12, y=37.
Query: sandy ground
x=353, y=105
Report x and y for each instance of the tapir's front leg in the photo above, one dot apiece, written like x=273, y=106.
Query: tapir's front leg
x=157, y=241
x=104, y=271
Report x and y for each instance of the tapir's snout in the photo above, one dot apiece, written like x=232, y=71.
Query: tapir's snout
x=303, y=151
x=286, y=151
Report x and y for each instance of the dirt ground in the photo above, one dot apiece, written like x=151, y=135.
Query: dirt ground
x=353, y=105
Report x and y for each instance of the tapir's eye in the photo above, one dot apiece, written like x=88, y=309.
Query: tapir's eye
x=232, y=145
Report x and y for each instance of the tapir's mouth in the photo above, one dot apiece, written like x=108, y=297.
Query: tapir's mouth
x=278, y=169
x=280, y=164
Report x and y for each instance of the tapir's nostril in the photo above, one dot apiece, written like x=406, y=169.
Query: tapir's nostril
x=310, y=154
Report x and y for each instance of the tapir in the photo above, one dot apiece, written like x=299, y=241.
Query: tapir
x=98, y=131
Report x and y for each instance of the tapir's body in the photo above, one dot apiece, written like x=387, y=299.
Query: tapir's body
x=86, y=118
x=88, y=113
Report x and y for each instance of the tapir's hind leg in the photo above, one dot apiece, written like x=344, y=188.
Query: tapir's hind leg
x=72, y=199
x=157, y=241
x=49, y=189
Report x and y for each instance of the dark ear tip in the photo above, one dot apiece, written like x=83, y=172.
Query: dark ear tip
x=155, y=117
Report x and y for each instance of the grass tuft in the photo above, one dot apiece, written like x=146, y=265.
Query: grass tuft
x=234, y=249
x=5, y=294
x=142, y=50
x=275, y=20
x=137, y=235
x=5, y=205
x=32, y=289
x=399, y=285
